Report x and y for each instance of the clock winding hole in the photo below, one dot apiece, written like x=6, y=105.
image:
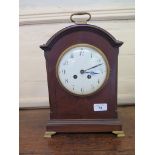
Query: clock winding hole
x=75, y=76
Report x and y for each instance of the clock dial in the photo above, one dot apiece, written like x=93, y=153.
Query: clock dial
x=82, y=69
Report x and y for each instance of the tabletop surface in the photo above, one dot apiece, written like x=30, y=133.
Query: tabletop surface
x=32, y=142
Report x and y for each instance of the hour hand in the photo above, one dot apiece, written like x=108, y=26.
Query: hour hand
x=92, y=72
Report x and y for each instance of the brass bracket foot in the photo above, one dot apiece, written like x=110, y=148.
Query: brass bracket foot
x=119, y=133
x=49, y=134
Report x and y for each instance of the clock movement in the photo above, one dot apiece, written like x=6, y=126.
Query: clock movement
x=81, y=63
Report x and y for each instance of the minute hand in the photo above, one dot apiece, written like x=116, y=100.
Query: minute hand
x=93, y=67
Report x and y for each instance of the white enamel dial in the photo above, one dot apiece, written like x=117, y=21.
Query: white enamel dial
x=82, y=69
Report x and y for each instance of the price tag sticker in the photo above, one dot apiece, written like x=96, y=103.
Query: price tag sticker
x=100, y=107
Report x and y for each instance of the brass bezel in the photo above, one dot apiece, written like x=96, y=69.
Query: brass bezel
x=86, y=45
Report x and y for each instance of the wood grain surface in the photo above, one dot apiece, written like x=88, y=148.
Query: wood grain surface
x=64, y=105
x=32, y=142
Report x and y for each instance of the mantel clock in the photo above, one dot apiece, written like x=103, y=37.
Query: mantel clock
x=81, y=63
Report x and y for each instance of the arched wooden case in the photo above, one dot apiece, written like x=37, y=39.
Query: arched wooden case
x=71, y=113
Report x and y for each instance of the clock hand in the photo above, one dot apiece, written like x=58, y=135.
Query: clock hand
x=83, y=71
x=92, y=72
x=93, y=67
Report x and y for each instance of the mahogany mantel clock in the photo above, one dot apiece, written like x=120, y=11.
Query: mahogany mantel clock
x=81, y=63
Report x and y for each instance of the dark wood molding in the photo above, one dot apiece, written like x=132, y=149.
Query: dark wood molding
x=80, y=27
x=84, y=125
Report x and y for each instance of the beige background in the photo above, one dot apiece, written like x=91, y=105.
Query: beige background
x=39, y=20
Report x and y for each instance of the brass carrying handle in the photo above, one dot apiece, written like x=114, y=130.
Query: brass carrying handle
x=80, y=13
